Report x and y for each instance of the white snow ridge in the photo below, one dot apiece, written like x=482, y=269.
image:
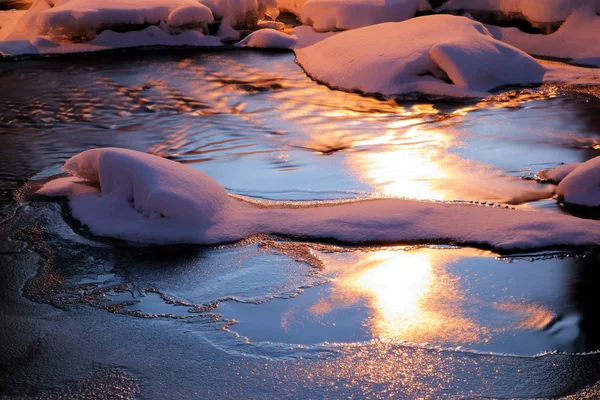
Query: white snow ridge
x=147, y=199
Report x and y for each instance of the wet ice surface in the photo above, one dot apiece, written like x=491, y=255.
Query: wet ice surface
x=315, y=318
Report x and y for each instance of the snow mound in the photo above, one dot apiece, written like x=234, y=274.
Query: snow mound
x=329, y=15
x=147, y=199
x=576, y=39
x=268, y=39
x=195, y=15
x=555, y=175
x=72, y=18
x=139, y=195
x=410, y=56
x=581, y=186
x=542, y=11
x=291, y=6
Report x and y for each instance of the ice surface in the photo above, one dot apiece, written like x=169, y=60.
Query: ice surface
x=582, y=185
x=268, y=39
x=533, y=10
x=409, y=56
x=576, y=39
x=148, y=199
x=329, y=15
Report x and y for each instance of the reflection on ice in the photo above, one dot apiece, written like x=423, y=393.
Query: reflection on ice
x=441, y=297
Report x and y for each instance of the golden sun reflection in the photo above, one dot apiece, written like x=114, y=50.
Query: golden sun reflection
x=411, y=161
x=410, y=295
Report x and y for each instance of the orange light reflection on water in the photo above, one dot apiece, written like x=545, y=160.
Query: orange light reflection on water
x=410, y=294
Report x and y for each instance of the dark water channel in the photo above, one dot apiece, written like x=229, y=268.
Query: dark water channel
x=270, y=317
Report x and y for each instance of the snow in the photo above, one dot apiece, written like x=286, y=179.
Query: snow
x=108, y=40
x=576, y=39
x=148, y=199
x=291, y=6
x=151, y=36
x=555, y=175
x=329, y=15
x=85, y=18
x=404, y=57
x=307, y=36
x=190, y=15
x=61, y=21
x=543, y=11
x=580, y=186
x=268, y=39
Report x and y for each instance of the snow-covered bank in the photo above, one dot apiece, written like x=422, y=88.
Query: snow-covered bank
x=330, y=15
x=71, y=26
x=268, y=39
x=415, y=58
x=147, y=199
x=536, y=11
x=578, y=184
x=578, y=39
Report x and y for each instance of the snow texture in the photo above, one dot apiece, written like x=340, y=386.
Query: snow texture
x=268, y=39
x=66, y=22
x=147, y=199
x=542, y=11
x=307, y=36
x=329, y=15
x=577, y=39
x=581, y=186
x=555, y=175
x=291, y=6
x=409, y=56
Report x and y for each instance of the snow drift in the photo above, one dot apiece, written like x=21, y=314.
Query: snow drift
x=576, y=39
x=146, y=199
x=536, y=11
x=410, y=56
x=329, y=15
x=578, y=184
x=268, y=39
x=70, y=26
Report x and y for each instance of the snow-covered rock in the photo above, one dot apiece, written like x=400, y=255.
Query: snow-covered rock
x=147, y=199
x=555, y=175
x=329, y=15
x=577, y=39
x=191, y=16
x=578, y=183
x=268, y=39
x=419, y=55
x=541, y=11
x=291, y=6
x=85, y=18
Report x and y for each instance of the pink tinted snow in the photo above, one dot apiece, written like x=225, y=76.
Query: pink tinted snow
x=147, y=199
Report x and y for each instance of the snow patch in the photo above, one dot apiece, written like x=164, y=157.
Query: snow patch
x=409, y=56
x=543, y=11
x=576, y=39
x=555, y=175
x=307, y=36
x=329, y=15
x=580, y=186
x=268, y=39
x=147, y=199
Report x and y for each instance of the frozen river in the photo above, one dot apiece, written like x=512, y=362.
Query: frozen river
x=274, y=317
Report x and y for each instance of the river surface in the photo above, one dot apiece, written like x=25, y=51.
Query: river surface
x=273, y=317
